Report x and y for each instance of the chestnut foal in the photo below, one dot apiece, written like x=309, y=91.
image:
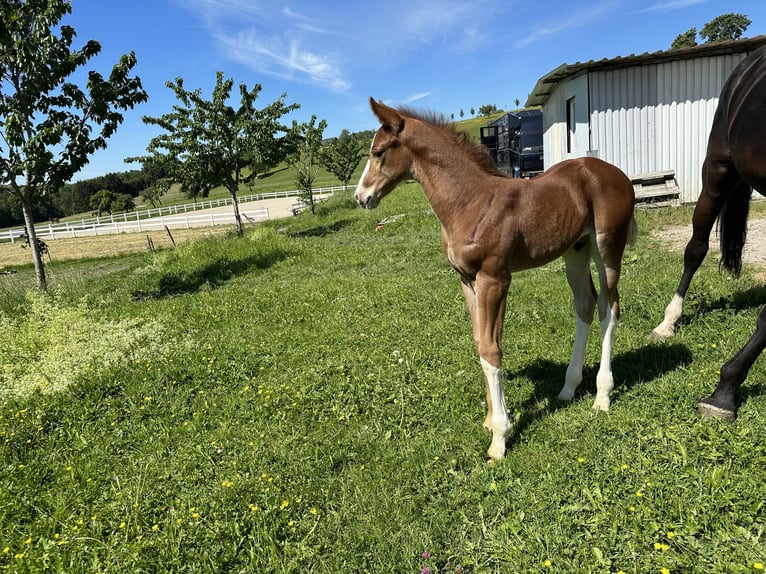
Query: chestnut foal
x=493, y=225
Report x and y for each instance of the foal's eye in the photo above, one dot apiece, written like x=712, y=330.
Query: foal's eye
x=378, y=153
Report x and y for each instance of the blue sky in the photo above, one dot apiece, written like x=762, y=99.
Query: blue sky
x=330, y=56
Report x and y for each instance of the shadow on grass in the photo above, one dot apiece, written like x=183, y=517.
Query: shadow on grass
x=739, y=301
x=321, y=230
x=212, y=275
x=631, y=368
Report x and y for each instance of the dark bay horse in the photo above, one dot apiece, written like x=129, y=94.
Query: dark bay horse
x=734, y=163
x=493, y=225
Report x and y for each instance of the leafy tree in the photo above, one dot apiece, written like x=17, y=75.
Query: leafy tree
x=462, y=113
x=123, y=202
x=49, y=126
x=306, y=159
x=340, y=157
x=102, y=200
x=473, y=112
x=487, y=110
x=517, y=101
x=208, y=143
x=725, y=27
x=686, y=40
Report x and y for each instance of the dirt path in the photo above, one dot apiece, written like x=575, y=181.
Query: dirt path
x=755, y=249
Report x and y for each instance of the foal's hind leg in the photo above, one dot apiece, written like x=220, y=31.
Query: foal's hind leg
x=577, y=261
x=608, y=261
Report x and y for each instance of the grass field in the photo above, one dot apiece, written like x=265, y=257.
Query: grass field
x=310, y=401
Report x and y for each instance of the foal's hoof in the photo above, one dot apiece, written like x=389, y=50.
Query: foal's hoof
x=600, y=405
x=708, y=409
x=660, y=334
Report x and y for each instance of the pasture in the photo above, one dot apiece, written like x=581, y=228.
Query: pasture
x=310, y=401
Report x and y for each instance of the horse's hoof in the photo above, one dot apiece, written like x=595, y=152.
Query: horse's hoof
x=565, y=395
x=707, y=409
x=600, y=405
x=661, y=334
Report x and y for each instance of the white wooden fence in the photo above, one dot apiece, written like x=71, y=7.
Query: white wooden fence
x=172, y=217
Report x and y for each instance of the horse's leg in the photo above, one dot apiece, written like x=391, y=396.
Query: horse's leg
x=719, y=179
x=491, y=293
x=469, y=293
x=722, y=403
x=608, y=259
x=580, y=281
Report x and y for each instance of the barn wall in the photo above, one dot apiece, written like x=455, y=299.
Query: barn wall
x=645, y=118
x=556, y=131
x=658, y=117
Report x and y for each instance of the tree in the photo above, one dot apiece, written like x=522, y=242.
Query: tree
x=725, y=27
x=473, y=112
x=487, y=110
x=517, y=102
x=49, y=126
x=306, y=157
x=341, y=157
x=686, y=40
x=208, y=143
x=102, y=200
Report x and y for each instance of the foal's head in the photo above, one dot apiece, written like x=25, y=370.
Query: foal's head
x=389, y=161
x=401, y=138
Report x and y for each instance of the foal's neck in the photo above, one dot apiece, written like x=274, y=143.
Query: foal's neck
x=451, y=179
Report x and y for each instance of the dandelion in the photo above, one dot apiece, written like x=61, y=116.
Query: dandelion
x=28, y=541
x=670, y=534
x=756, y=566
x=155, y=527
x=639, y=494
x=6, y=550
x=664, y=571
x=580, y=459
x=313, y=511
x=284, y=504
x=714, y=345
x=122, y=524
x=547, y=563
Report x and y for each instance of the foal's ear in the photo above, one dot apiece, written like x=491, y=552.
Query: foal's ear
x=387, y=116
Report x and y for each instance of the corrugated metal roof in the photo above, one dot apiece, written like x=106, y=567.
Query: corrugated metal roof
x=546, y=84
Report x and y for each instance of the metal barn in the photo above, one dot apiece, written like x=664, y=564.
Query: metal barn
x=649, y=114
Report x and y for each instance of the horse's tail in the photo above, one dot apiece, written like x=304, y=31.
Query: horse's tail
x=632, y=230
x=732, y=228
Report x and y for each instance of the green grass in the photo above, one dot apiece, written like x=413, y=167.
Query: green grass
x=310, y=401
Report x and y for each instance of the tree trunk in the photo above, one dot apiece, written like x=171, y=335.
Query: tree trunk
x=29, y=226
x=237, y=216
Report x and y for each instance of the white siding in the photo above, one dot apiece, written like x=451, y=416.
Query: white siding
x=646, y=118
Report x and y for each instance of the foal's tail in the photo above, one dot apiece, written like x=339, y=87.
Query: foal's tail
x=732, y=228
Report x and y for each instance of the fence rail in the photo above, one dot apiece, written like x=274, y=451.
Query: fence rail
x=172, y=217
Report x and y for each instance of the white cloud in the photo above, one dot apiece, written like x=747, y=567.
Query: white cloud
x=577, y=20
x=282, y=58
x=672, y=5
x=416, y=97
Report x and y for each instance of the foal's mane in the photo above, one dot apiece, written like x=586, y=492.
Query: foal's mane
x=473, y=148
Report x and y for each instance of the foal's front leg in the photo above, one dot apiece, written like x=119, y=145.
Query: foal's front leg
x=487, y=317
